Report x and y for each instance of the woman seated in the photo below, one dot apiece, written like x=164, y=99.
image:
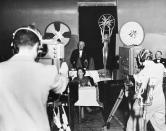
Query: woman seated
x=83, y=80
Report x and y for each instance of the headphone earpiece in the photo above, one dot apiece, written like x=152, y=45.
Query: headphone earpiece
x=14, y=48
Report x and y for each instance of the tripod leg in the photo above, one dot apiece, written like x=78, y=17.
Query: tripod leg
x=115, y=107
x=144, y=119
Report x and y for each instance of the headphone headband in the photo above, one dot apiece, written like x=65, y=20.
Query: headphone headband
x=29, y=28
x=38, y=34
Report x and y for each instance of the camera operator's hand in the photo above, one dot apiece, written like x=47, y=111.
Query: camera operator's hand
x=86, y=63
x=62, y=80
x=64, y=69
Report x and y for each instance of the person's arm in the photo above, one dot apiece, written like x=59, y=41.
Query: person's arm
x=164, y=62
x=141, y=82
x=73, y=59
x=142, y=77
x=85, y=59
x=89, y=84
x=61, y=80
x=91, y=81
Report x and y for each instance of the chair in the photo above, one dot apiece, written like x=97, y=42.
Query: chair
x=87, y=96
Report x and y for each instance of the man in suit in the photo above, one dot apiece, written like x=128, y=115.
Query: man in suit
x=159, y=59
x=79, y=56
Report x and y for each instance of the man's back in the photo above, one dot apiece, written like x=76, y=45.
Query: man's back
x=154, y=72
x=156, y=79
x=23, y=93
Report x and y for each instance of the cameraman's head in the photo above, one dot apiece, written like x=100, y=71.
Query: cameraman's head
x=27, y=39
x=143, y=56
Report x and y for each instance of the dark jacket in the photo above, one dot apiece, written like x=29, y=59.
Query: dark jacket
x=162, y=60
x=79, y=62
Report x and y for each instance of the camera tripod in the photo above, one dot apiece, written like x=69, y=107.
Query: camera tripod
x=143, y=106
x=114, y=109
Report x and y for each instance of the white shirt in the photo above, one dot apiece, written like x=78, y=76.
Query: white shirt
x=24, y=87
x=153, y=72
x=80, y=53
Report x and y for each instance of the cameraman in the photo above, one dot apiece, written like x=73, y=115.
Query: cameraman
x=25, y=85
x=151, y=76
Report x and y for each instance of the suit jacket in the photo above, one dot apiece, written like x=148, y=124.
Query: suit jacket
x=162, y=60
x=76, y=61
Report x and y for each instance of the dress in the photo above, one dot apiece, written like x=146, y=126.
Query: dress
x=24, y=89
x=156, y=112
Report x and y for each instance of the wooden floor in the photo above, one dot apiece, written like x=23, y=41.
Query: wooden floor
x=95, y=122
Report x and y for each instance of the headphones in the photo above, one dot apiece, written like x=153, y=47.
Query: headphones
x=145, y=54
x=30, y=28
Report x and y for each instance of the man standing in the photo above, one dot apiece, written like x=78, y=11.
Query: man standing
x=25, y=85
x=151, y=78
x=79, y=56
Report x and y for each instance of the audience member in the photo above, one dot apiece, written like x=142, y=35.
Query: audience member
x=159, y=59
x=83, y=80
x=79, y=82
x=25, y=85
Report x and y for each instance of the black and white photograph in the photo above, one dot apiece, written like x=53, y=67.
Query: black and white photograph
x=83, y=65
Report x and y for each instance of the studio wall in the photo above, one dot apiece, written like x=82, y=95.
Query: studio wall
x=149, y=13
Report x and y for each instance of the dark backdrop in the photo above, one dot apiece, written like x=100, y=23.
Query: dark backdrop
x=89, y=32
